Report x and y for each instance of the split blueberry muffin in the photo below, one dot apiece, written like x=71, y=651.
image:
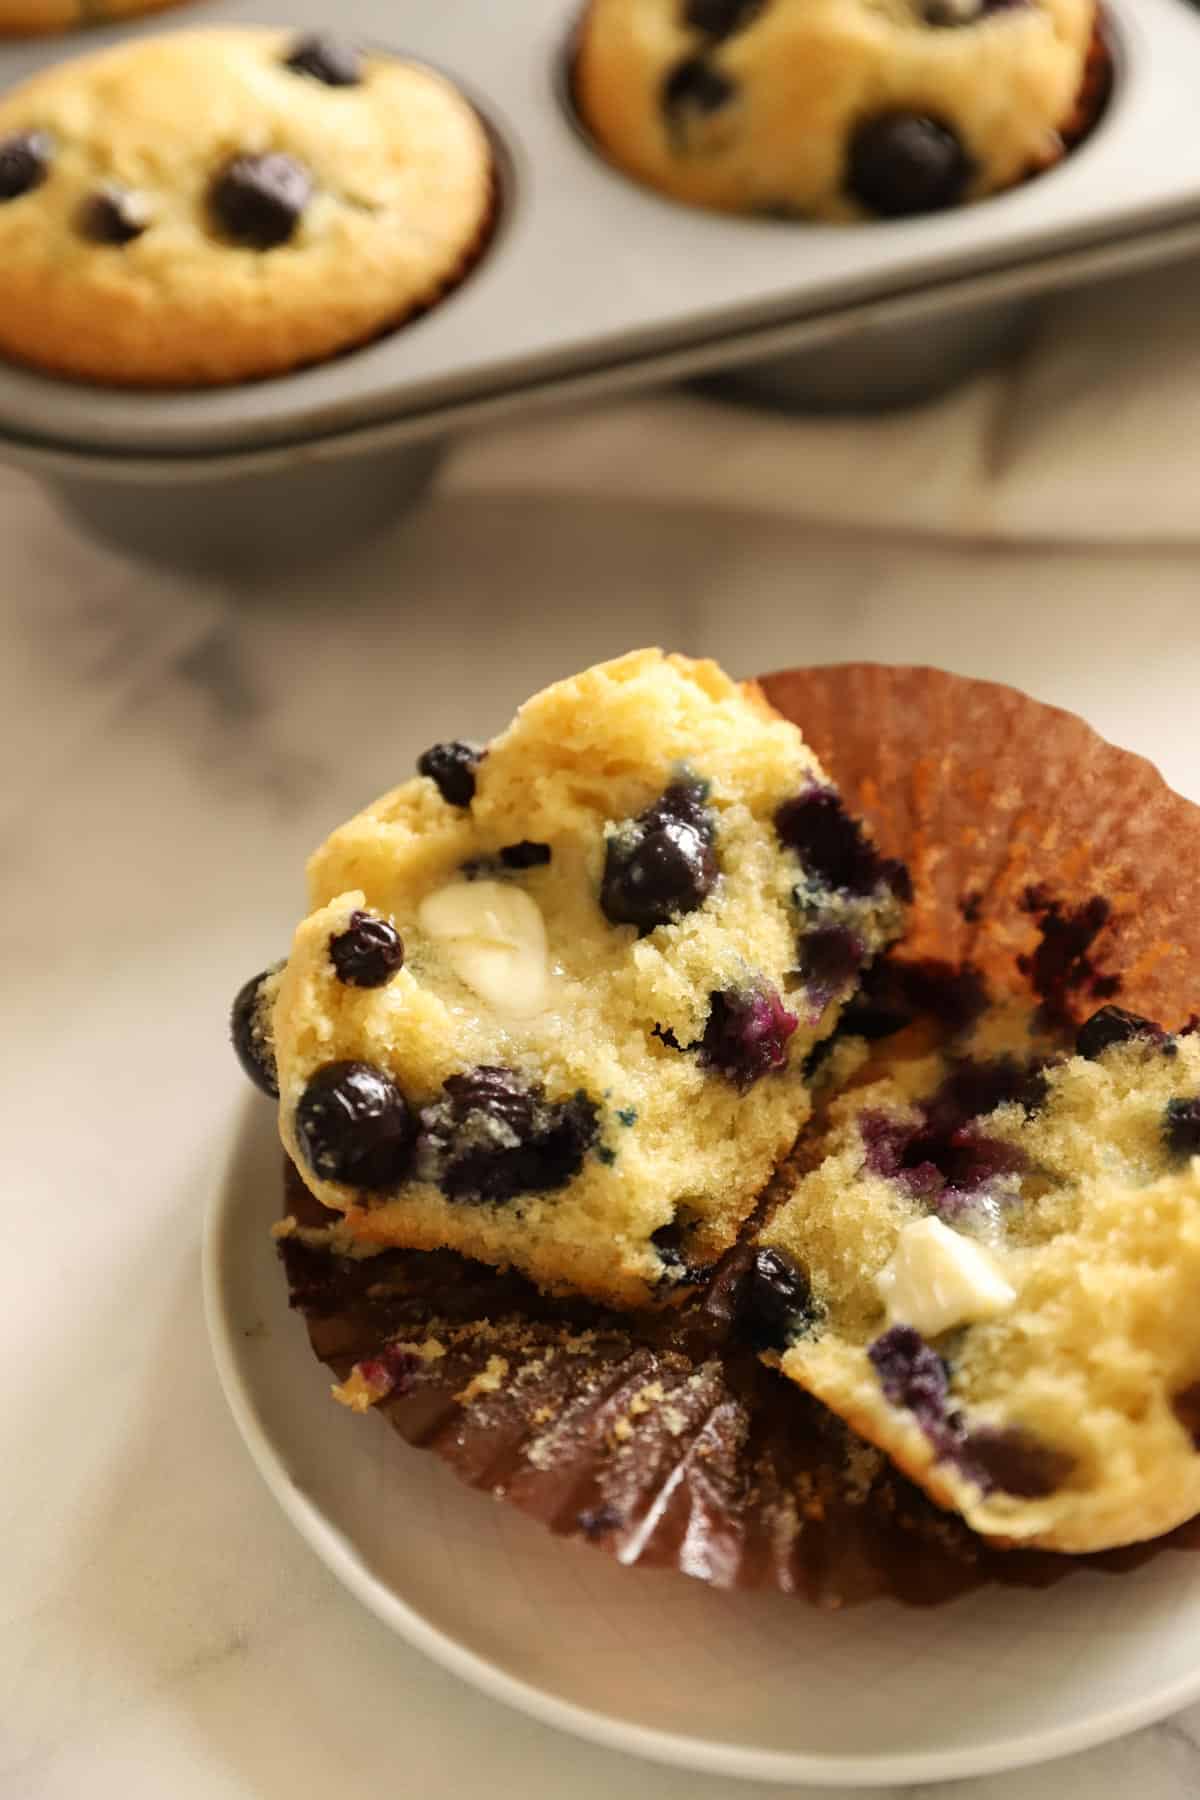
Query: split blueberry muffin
x=833, y=109
x=991, y=1272
x=555, y=1000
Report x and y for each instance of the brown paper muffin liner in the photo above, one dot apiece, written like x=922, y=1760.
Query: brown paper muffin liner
x=1054, y=864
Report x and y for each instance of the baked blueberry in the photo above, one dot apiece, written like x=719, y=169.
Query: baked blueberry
x=24, y=163
x=905, y=163
x=354, y=1126
x=746, y=1034
x=661, y=864
x=776, y=1302
x=368, y=953
x=721, y=18
x=326, y=59
x=1014, y=1461
x=829, y=962
x=913, y=1375
x=258, y=201
x=1113, y=1025
x=250, y=1030
x=114, y=215
x=494, y=1135
x=525, y=855
x=694, y=89
x=451, y=767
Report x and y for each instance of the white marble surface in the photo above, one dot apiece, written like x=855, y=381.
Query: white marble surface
x=169, y=755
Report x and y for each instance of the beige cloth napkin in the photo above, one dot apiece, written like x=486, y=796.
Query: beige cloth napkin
x=1088, y=437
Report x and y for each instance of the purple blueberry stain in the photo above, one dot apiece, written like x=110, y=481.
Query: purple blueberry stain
x=941, y=1157
x=390, y=1374
x=830, y=958
x=746, y=1034
x=915, y=1378
x=1062, y=966
x=836, y=851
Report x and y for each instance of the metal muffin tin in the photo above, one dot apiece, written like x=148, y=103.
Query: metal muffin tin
x=593, y=283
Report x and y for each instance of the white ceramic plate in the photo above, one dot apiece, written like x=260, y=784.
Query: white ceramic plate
x=737, y=1684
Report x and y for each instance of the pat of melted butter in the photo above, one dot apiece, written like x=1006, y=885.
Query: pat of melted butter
x=494, y=938
x=938, y=1278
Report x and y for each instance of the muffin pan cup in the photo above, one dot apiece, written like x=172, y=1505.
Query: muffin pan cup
x=593, y=284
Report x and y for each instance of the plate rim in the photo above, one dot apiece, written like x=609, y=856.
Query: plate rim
x=675, y=1749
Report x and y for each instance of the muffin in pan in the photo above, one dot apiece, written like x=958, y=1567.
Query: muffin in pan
x=215, y=206
x=833, y=109
x=554, y=1003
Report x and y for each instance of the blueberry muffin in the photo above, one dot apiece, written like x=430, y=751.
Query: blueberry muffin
x=217, y=205
x=832, y=109
x=991, y=1272
x=554, y=1003
x=31, y=18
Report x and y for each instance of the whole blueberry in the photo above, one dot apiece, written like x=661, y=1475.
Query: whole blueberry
x=258, y=200
x=24, y=163
x=721, y=18
x=776, y=1302
x=250, y=1030
x=1112, y=1025
x=905, y=163
x=354, y=1126
x=326, y=59
x=693, y=89
x=451, y=767
x=114, y=215
x=661, y=864
x=368, y=953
